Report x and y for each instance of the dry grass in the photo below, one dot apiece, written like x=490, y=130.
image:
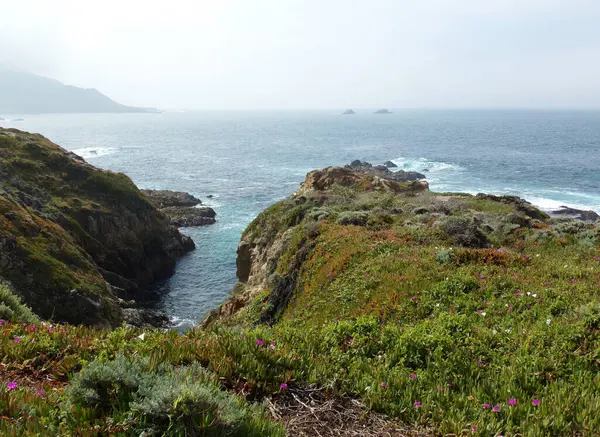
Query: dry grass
x=313, y=412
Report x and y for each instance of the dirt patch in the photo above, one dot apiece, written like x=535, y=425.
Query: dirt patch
x=313, y=412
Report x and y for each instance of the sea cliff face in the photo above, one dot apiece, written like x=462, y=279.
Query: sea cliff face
x=72, y=237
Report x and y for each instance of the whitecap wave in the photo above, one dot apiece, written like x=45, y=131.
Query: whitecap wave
x=181, y=324
x=547, y=204
x=420, y=164
x=94, y=152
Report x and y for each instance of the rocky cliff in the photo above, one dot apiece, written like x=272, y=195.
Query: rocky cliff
x=73, y=238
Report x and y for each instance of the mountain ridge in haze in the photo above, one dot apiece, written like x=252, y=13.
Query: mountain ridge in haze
x=27, y=93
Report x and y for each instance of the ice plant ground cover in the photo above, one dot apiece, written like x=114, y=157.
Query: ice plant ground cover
x=469, y=317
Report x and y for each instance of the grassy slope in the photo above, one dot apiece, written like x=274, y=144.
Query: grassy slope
x=406, y=311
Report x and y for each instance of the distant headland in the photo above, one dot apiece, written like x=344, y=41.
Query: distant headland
x=27, y=93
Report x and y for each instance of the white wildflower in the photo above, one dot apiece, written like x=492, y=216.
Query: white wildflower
x=142, y=335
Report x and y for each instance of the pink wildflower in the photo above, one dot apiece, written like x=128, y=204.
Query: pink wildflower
x=11, y=385
x=260, y=342
x=486, y=406
x=41, y=392
x=536, y=402
x=496, y=408
x=413, y=376
x=283, y=386
x=384, y=384
x=17, y=339
x=473, y=428
x=512, y=401
x=417, y=404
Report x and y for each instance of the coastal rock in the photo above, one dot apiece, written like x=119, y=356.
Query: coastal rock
x=382, y=111
x=146, y=319
x=183, y=209
x=348, y=112
x=390, y=164
x=521, y=205
x=579, y=214
x=384, y=172
x=168, y=198
x=322, y=180
x=74, y=237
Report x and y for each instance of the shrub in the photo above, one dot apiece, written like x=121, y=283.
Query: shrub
x=317, y=214
x=464, y=232
x=12, y=309
x=357, y=218
x=167, y=401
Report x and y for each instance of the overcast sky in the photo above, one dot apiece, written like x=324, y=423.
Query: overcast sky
x=258, y=54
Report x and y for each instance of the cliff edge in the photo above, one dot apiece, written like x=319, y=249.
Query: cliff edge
x=74, y=238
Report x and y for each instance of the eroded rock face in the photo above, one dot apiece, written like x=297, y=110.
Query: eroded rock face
x=321, y=180
x=74, y=236
x=183, y=209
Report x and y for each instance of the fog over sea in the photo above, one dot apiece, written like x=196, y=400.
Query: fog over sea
x=248, y=160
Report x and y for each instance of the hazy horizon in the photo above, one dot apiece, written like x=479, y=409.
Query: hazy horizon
x=314, y=55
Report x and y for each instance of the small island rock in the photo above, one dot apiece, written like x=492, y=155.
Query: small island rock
x=182, y=208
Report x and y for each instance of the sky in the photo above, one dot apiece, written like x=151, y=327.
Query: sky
x=313, y=54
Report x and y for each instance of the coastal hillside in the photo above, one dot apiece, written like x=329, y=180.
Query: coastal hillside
x=73, y=238
x=26, y=93
x=366, y=305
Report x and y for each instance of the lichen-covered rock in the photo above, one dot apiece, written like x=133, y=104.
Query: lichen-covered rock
x=72, y=236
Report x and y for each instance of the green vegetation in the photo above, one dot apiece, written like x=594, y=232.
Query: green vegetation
x=11, y=307
x=467, y=314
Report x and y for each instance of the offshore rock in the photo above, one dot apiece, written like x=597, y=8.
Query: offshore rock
x=182, y=208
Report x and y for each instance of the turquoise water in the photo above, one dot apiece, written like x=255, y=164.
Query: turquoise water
x=250, y=160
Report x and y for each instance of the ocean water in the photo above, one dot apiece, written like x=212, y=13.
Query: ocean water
x=248, y=160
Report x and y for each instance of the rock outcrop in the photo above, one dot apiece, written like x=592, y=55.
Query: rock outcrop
x=348, y=112
x=183, y=209
x=74, y=238
x=384, y=172
x=322, y=180
x=390, y=164
x=579, y=214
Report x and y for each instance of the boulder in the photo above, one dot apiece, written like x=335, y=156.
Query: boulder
x=390, y=164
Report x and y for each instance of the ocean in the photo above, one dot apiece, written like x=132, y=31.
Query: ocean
x=249, y=160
